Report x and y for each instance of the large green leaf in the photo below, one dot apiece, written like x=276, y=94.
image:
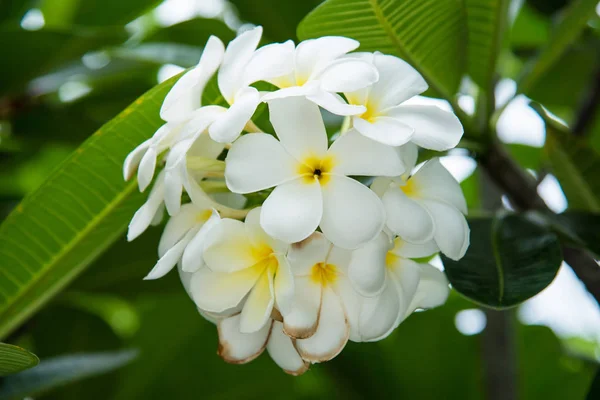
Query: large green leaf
x=14, y=359
x=81, y=209
x=573, y=21
x=428, y=34
x=510, y=259
x=576, y=165
x=278, y=18
x=62, y=370
x=582, y=228
x=487, y=20
x=38, y=52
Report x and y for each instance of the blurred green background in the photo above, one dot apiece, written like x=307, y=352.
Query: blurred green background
x=69, y=66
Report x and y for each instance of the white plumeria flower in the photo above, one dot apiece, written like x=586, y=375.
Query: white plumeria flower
x=312, y=184
x=183, y=239
x=236, y=347
x=151, y=212
x=318, y=74
x=243, y=261
x=318, y=319
x=389, y=121
x=392, y=285
x=240, y=65
x=426, y=205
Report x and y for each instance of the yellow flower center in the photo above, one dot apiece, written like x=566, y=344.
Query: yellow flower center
x=323, y=274
x=262, y=252
x=313, y=168
x=203, y=215
x=409, y=188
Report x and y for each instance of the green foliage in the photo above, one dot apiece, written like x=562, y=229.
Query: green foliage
x=509, y=260
x=581, y=228
x=434, y=43
x=62, y=370
x=86, y=203
x=14, y=359
x=53, y=48
x=193, y=32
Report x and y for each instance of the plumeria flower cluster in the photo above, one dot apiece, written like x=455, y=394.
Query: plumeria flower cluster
x=333, y=247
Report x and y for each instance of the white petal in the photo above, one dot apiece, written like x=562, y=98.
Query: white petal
x=270, y=61
x=332, y=332
x=451, y=228
x=435, y=128
x=168, y=261
x=412, y=250
x=177, y=227
x=146, y=168
x=228, y=249
x=433, y=289
x=284, y=285
x=257, y=235
x=192, y=259
x=311, y=88
x=397, y=82
x=236, y=347
x=380, y=185
x=302, y=320
x=335, y=104
x=409, y=153
x=199, y=120
x=237, y=55
x=185, y=96
x=433, y=181
x=406, y=274
x=352, y=214
x=406, y=217
x=347, y=75
x=282, y=351
x=173, y=190
x=217, y=291
x=314, y=54
x=293, y=210
x=299, y=126
x=367, y=266
x=386, y=130
x=143, y=217
x=379, y=314
x=355, y=154
x=256, y=162
x=305, y=254
x=133, y=159
x=258, y=307
x=352, y=303
x=230, y=125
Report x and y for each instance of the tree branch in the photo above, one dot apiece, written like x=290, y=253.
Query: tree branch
x=521, y=188
x=588, y=108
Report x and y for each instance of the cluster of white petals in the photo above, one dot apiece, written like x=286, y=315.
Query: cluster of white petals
x=333, y=247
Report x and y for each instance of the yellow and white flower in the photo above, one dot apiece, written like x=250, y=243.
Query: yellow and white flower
x=388, y=121
x=312, y=187
x=428, y=204
x=244, y=264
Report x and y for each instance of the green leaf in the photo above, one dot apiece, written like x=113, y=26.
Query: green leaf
x=38, y=52
x=63, y=370
x=429, y=34
x=486, y=20
x=581, y=227
x=278, y=18
x=510, y=259
x=573, y=21
x=530, y=29
x=576, y=165
x=66, y=13
x=193, y=32
x=81, y=209
x=14, y=359
x=14, y=10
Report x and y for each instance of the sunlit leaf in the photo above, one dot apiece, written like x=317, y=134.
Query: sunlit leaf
x=509, y=260
x=14, y=359
x=81, y=209
x=429, y=34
